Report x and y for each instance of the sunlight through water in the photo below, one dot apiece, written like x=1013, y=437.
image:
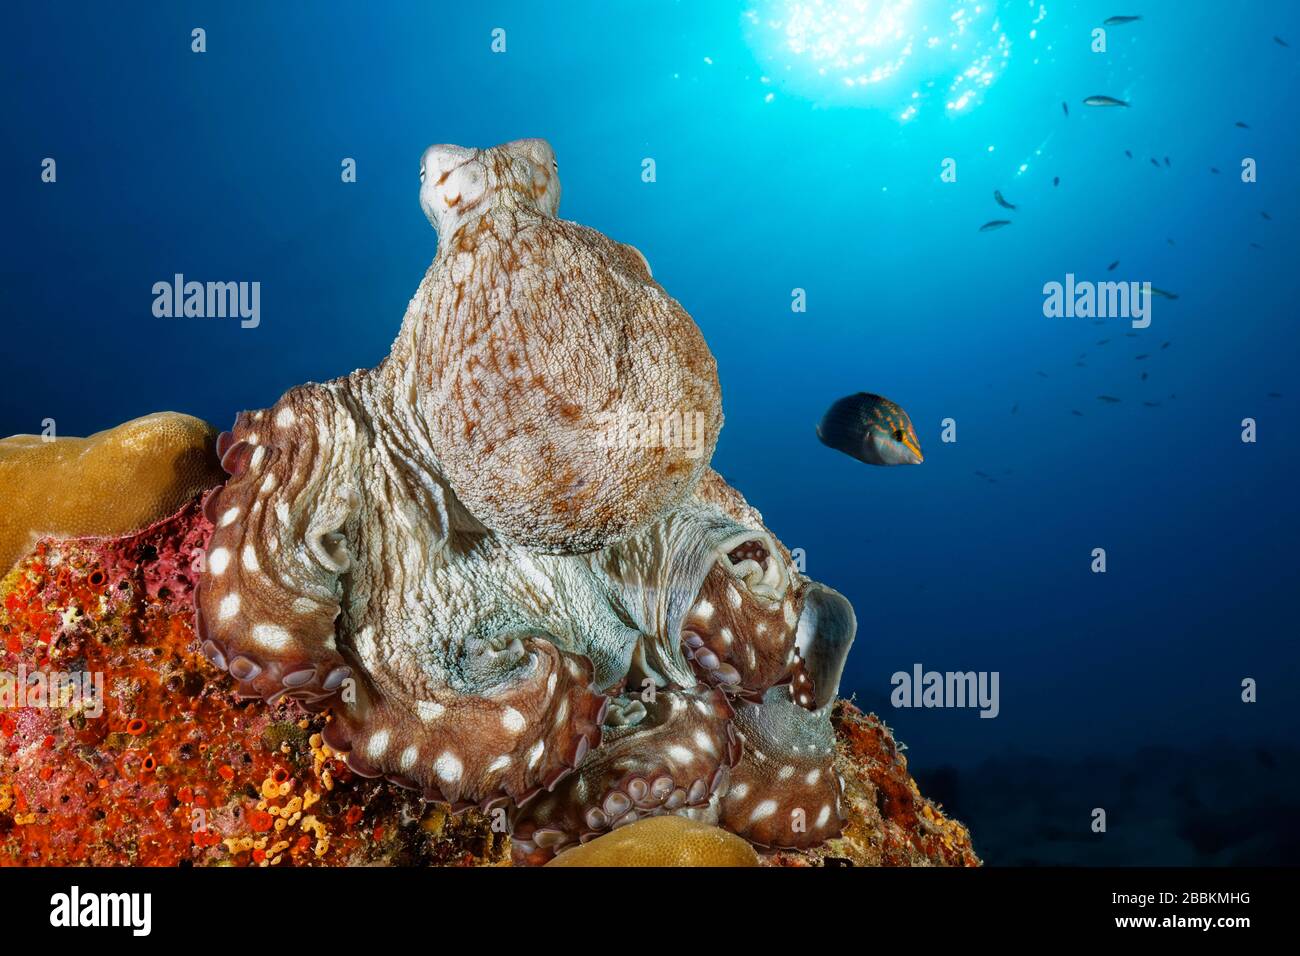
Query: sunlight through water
x=902, y=55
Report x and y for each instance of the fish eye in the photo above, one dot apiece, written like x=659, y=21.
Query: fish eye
x=898, y=434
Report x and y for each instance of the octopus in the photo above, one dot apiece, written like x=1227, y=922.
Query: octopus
x=504, y=601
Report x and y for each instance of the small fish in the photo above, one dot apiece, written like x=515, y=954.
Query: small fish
x=1042, y=374
x=1144, y=376
x=1056, y=180
x=1108, y=399
x=1128, y=153
x=1164, y=294
x=1130, y=335
x=1102, y=341
x=1076, y=412
x=1112, y=266
x=871, y=429
x=1119, y=21
x=1274, y=394
x=1215, y=170
x=1155, y=162
x=1171, y=242
x=1080, y=364
x=981, y=474
x=1280, y=42
x=1151, y=404
x=994, y=224
x=1015, y=407
x=1165, y=345
x=997, y=195
x=1167, y=163
x=1256, y=245
x=1138, y=358
x=1266, y=215
x=1240, y=125
x=1065, y=107
x=1100, y=100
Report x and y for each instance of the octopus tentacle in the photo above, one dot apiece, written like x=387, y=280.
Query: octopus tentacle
x=269, y=622
x=737, y=637
x=515, y=738
x=785, y=791
x=675, y=761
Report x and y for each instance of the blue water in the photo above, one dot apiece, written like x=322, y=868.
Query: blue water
x=226, y=166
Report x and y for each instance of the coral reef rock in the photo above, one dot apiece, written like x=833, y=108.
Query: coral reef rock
x=164, y=764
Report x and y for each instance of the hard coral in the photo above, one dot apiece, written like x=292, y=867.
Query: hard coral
x=113, y=482
x=662, y=841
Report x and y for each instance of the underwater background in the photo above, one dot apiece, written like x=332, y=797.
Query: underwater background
x=795, y=146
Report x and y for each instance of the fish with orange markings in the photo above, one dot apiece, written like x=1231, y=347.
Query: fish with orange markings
x=871, y=429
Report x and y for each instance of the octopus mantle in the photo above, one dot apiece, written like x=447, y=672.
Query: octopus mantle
x=500, y=606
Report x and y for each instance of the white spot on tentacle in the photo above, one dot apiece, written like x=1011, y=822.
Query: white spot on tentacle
x=448, y=767
x=763, y=811
x=228, y=607
x=284, y=418
x=250, y=559
x=218, y=560
x=409, y=756
x=377, y=746
x=429, y=710
x=272, y=637
x=535, y=754
x=229, y=518
x=512, y=720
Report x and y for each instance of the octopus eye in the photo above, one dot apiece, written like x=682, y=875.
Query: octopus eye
x=421, y=174
x=556, y=165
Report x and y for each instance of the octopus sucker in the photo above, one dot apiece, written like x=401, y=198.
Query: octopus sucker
x=504, y=594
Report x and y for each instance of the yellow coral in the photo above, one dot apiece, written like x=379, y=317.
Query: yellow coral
x=662, y=841
x=112, y=483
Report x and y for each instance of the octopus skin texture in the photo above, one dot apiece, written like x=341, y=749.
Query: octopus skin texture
x=499, y=608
